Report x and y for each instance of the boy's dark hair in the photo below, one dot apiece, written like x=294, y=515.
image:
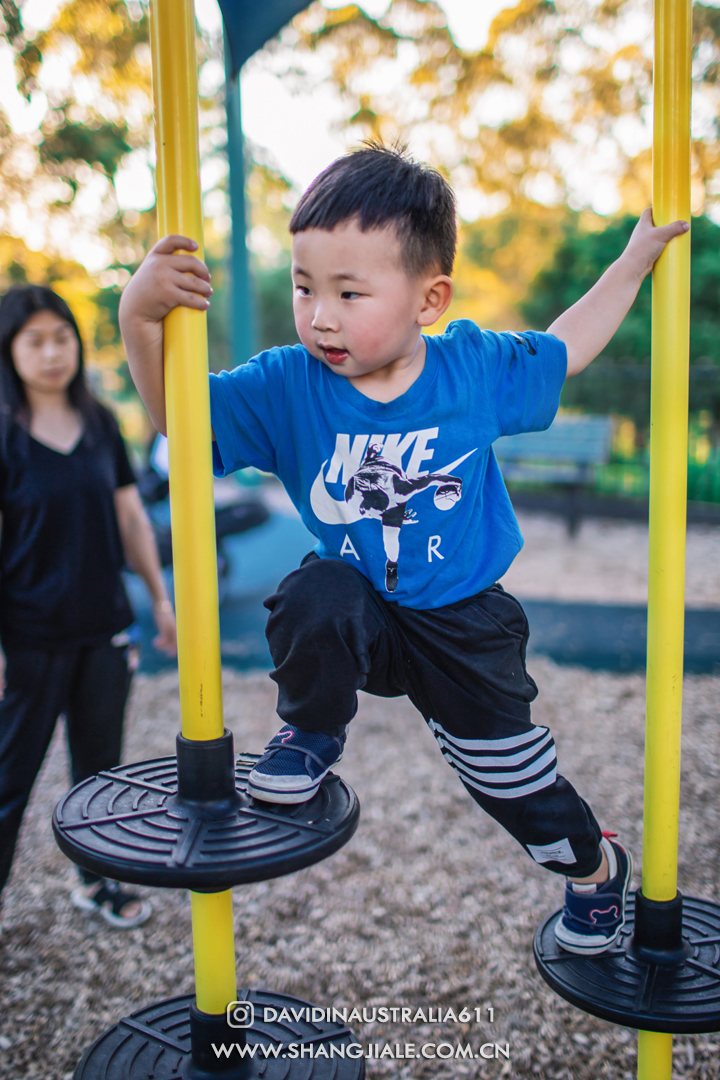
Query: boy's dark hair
x=381, y=186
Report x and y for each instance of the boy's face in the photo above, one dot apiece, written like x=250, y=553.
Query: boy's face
x=356, y=307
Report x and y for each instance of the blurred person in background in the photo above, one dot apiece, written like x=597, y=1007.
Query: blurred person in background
x=70, y=519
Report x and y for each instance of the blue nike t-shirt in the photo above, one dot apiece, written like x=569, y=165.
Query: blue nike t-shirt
x=407, y=491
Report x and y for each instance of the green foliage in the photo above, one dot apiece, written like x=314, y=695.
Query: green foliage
x=581, y=257
x=705, y=292
x=98, y=143
x=11, y=18
x=576, y=73
x=275, y=322
x=624, y=389
x=497, y=260
x=218, y=321
x=619, y=380
x=27, y=53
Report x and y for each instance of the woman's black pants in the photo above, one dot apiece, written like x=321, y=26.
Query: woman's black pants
x=90, y=685
x=462, y=666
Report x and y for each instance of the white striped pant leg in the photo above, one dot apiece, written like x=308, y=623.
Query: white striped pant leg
x=515, y=780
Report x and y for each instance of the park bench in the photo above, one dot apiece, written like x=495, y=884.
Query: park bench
x=563, y=454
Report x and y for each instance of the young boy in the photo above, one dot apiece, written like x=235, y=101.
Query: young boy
x=383, y=439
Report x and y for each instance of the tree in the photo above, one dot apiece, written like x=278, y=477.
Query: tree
x=97, y=110
x=89, y=73
x=270, y=196
x=519, y=122
x=581, y=257
x=92, y=121
x=619, y=380
x=498, y=259
x=561, y=91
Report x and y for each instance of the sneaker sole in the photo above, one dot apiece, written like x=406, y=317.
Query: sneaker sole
x=595, y=949
x=587, y=950
x=285, y=796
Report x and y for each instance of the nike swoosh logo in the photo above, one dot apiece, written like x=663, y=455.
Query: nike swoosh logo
x=454, y=464
x=338, y=512
x=332, y=511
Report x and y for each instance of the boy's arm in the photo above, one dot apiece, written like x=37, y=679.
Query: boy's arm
x=588, y=325
x=164, y=280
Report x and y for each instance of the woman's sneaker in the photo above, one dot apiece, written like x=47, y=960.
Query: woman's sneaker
x=119, y=907
x=594, y=915
x=294, y=765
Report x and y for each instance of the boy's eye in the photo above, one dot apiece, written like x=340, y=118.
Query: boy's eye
x=349, y=295
x=303, y=290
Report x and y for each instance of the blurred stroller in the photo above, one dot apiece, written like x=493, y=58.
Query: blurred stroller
x=237, y=509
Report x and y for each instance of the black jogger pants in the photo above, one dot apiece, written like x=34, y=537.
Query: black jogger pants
x=462, y=666
x=90, y=686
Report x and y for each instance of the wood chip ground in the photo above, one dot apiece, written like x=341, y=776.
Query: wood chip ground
x=430, y=904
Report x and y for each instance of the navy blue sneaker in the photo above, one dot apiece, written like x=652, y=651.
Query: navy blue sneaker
x=294, y=765
x=593, y=916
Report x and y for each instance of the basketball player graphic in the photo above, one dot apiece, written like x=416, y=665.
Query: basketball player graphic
x=385, y=490
x=380, y=489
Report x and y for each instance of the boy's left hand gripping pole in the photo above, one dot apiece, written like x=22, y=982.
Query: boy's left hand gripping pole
x=189, y=436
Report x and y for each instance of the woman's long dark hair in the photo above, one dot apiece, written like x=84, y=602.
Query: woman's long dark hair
x=18, y=305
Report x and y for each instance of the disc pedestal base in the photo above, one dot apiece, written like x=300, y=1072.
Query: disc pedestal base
x=154, y=1044
x=626, y=986
x=188, y=822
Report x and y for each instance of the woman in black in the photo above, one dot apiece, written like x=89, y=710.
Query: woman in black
x=71, y=517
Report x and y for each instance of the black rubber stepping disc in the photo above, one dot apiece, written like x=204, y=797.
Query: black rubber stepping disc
x=126, y=825
x=618, y=986
x=154, y=1044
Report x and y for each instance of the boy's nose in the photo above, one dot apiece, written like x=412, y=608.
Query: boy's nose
x=324, y=320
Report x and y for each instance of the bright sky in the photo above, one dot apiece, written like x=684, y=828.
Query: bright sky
x=298, y=129
x=469, y=19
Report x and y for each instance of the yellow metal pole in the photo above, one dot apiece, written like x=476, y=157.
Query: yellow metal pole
x=186, y=380
x=668, y=452
x=654, y=1056
x=189, y=436
x=214, y=951
x=668, y=478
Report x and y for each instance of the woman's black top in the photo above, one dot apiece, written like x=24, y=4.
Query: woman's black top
x=60, y=551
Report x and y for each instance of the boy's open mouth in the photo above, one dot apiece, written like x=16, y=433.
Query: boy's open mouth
x=334, y=356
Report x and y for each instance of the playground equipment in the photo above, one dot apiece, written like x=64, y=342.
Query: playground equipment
x=237, y=510
x=248, y=25
x=187, y=822
x=663, y=977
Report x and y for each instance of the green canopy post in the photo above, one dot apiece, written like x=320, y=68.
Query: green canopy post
x=241, y=293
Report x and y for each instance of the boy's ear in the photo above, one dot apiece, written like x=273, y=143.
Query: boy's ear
x=438, y=294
